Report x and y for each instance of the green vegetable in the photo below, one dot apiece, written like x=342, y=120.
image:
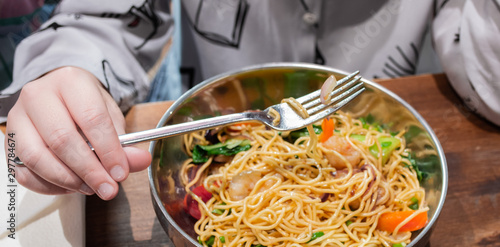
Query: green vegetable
x=369, y=121
x=222, y=239
x=296, y=134
x=412, y=132
x=218, y=211
x=347, y=223
x=414, y=204
x=210, y=241
x=420, y=174
x=228, y=148
x=414, y=200
x=387, y=143
x=315, y=236
x=257, y=245
x=360, y=138
x=399, y=245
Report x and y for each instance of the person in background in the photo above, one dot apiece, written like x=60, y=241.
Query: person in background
x=88, y=63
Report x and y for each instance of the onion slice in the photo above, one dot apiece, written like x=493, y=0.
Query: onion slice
x=327, y=88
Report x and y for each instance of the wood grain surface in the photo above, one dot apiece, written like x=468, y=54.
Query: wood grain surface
x=471, y=214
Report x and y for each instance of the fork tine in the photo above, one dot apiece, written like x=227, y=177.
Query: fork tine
x=314, y=95
x=335, y=94
x=344, y=92
x=330, y=110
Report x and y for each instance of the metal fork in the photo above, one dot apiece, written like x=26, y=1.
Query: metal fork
x=346, y=90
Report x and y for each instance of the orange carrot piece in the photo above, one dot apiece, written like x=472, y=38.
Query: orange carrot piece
x=328, y=127
x=389, y=221
x=247, y=123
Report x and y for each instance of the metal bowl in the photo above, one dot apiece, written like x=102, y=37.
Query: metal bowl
x=258, y=87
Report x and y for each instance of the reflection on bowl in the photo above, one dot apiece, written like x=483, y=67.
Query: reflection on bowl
x=264, y=85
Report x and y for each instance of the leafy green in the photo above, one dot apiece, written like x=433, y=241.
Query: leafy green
x=222, y=239
x=296, y=134
x=399, y=245
x=315, y=236
x=415, y=165
x=412, y=132
x=210, y=241
x=387, y=143
x=220, y=211
x=228, y=148
x=414, y=204
x=370, y=122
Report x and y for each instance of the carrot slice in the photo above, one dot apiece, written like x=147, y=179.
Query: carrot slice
x=328, y=127
x=389, y=221
x=247, y=123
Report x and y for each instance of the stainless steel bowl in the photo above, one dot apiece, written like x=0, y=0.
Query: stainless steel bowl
x=258, y=87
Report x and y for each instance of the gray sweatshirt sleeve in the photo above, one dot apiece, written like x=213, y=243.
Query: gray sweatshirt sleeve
x=116, y=40
x=466, y=38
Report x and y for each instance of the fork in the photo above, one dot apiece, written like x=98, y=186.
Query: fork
x=346, y=90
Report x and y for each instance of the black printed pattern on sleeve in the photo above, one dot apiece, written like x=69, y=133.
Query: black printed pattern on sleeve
x=128, y=85
x=144, y=19
x=401, y=65
x=224, y=33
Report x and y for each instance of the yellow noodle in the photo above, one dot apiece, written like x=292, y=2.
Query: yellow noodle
x=288, y=203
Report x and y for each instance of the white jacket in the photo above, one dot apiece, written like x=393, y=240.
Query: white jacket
x=119, y=40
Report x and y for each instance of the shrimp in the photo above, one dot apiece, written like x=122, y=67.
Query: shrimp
x=242, y=184
x=344, y=148
x=272, y=180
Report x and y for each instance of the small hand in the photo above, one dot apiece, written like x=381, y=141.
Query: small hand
x=52, y=119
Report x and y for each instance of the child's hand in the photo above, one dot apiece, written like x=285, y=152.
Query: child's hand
x=51, y=119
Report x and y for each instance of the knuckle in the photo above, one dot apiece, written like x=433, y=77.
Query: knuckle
x=88, y=175
x=59, y=139
x=30, y=156
x=111, y=155
x=29, y=91
x=94, y=117
x=67, y=181
x=13, y=115
x=22, y=176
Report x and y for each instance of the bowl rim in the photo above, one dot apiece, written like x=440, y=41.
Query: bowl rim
x=299, y=65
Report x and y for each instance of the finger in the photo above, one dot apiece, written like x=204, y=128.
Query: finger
x=56, y=127
x=114, y=112
x=34, y=153
x=138, y=159
x=32, y=181
x=93, y=118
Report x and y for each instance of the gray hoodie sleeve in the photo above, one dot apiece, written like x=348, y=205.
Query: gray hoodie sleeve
x=116, y=40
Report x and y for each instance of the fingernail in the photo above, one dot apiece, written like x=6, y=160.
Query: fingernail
x=85, y=189
x=105, y=191
x=117, y=173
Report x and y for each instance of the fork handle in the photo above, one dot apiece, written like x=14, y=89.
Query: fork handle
x=178, y=129
x=182, y=128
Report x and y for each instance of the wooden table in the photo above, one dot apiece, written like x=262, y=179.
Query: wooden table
x=471, y=214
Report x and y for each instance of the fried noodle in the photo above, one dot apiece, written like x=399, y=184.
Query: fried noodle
x=294, y=191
